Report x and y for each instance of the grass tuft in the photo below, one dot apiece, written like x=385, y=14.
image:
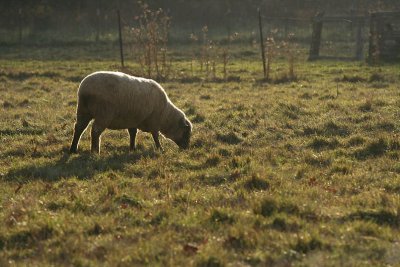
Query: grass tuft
x=212, y=160
x=352, y=79
x=366, y=106
x=256, y=183
x=281, y=223
x=2, y=242
x=328, y=129
x=268, y=207
x=307, y=244
x=355, y=141
x=318, y=160
x=230, y=138
x=381, y=217
x=210, y=262
x=97, y=229
x=376, y=77
x=30, y=238
x=321, y=143
x=291, y=111
x=198, y=118
x=332, y=128
x=126, y=200
x=374, y=148
x=240, y=241
x=221, y=217
x=159, y=218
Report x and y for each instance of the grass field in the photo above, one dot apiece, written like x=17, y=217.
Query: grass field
x=302, y=173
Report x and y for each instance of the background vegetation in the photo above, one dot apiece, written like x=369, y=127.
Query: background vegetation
x=83, y=20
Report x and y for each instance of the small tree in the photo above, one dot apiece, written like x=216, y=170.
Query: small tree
x=226, y=56
x=194, y=39
x=150, y=39
x=290, y=49
x=270, y=45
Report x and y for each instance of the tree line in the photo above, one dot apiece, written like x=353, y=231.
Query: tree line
x=90, y=15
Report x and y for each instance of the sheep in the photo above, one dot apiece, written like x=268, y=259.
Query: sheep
x=115, y=100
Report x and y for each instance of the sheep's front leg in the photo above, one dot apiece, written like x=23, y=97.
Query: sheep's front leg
x=97, y=130
x=132, y=137
x=156, y=141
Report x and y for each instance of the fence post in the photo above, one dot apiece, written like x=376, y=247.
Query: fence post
x=359, y=39
x=97, y=24
x=262, y=43
x=286, y=27
x=20, y=26
x=120, y=39
x=372, y=37
x=380, y=26
x=316, y=36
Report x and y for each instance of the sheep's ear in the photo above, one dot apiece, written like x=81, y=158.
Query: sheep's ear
x=185, y=123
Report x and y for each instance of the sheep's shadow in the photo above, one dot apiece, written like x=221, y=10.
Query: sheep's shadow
x=82, y=166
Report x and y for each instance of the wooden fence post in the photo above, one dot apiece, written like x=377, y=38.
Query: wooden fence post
x=359, y=39
x=316, y=36
x=262, y=43
x=97, y=24
x=20, y=26
x=120, y=39
x=375, y=40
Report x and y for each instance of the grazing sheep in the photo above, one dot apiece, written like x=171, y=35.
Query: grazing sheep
x=119, y=101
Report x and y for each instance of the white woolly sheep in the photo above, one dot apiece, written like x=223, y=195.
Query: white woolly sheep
x=119, y=101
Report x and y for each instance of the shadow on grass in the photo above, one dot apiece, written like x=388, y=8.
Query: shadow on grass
x=23, y=131
x=381, y=217
x=83, y=166
x=23, y=75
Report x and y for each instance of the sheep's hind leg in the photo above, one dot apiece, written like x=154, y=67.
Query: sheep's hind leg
x=132, y=137
x=80, y=126
x=97, y=130
x=156, y=141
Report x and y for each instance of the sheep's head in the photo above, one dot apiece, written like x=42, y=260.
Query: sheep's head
x=181, y=133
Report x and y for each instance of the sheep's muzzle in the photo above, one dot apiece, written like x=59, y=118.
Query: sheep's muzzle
x=183, y=144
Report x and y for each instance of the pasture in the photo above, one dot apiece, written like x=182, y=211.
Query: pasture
x=283, y=173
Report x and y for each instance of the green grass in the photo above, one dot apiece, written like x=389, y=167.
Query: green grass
x=303, y=173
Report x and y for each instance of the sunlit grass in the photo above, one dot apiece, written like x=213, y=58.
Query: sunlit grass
x=298, y=173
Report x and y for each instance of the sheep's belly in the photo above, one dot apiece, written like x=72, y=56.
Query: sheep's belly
x=121, y=123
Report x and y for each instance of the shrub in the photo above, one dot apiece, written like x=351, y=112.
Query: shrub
x=150, y=40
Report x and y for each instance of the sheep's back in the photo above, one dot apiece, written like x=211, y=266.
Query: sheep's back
x=133, y=100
